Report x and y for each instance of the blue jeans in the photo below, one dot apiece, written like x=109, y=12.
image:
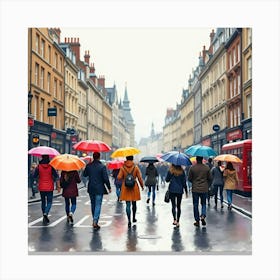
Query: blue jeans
x=221, y=189
x=46, y=201
x=152, y=189
x=195, y=197
x=73, y=204
x=96, y=201
x=229, y=196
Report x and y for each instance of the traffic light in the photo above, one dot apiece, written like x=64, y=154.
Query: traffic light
x=35, y=140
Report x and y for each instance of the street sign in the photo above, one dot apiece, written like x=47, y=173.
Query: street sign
x=51, y=112
x=216, y=127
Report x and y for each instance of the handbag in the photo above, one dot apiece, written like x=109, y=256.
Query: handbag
x=166, y=197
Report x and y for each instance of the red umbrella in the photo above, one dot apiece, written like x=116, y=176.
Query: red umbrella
x=115, y=164
x=86, y=158
x=43, y=150
x=92, y=146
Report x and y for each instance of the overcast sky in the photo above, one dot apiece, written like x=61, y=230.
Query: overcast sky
x=155, y=63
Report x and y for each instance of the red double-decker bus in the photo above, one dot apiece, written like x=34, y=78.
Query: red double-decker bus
x=242, y=149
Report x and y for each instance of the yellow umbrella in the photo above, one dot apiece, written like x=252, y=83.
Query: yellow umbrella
x=125, y=151
x=228, y=158
x=67, y=162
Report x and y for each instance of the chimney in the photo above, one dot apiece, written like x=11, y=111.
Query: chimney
x=101, y=82
x=75, y=46
x=91, y=68
x=212, y=34
x=87, y=57
x=203, y=54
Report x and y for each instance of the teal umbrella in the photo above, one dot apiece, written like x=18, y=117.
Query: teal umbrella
x=200, y=150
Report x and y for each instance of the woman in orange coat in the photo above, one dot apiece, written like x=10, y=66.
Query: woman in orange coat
x=130, y=194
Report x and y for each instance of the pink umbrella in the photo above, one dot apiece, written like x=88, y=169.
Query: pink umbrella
x=86, y=158
x=92, y=146
x=115, y=164
x=43, y=150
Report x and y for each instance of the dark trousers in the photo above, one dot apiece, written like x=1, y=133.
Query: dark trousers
x=176, y=199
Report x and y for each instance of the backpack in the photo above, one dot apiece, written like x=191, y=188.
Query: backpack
x=129, y=180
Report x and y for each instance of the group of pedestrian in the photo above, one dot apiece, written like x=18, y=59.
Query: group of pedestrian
x=128, y=181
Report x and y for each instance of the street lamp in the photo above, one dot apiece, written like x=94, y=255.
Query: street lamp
x=30, y=96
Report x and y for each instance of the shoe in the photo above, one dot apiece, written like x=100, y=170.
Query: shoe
x=45, y=219
x=222, y=206
x=229, y=207
x=148, y=200
x=177, y=225
x=174, y=222
x=71, y=221
x=96, y=226
x=129, y=224
x=196, y=223
x=154, y=204
x=134, y=220
x=203, y=222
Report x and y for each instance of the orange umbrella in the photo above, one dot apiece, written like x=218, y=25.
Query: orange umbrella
x=228, y=158
x=67, y=162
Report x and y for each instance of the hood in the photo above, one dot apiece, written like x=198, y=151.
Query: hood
x=44, y=165
x=128, y=163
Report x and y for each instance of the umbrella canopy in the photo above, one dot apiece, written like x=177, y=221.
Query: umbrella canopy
x=92, y=146
x=125, y=151
x=86, y=158
x=67, y=162
x=228, y=158
x=200, y=150
x=149, y=159
x=43, y=150
x=115, y=164
x=176, y=158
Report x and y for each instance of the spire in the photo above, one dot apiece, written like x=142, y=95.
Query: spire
x=126, y=107
x=153, y=130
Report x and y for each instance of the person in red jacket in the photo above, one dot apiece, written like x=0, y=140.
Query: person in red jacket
x=47, y=177
x=68, y=181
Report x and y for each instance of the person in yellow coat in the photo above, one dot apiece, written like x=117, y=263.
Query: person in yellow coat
x=230, y=182
x=130, y=194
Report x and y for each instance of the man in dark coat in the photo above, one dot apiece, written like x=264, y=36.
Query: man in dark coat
x=98, y=178
x=200, y=176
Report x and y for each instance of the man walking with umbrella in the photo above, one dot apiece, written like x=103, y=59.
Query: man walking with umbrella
x=200, y=177
x=98, y=178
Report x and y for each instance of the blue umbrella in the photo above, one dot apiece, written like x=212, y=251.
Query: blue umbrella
x=200, y=150
x=176, y=158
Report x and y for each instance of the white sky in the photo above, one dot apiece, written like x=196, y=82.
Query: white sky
x=154, y=62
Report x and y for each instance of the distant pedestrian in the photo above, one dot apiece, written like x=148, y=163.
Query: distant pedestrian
x=162, y=171
x=47, y=177
x=98, y=179
x=231, y=181
x=151, y=181
x=200, y=176
x=218, y=182
x=117, y=182
x=177, y=178
x=33, y=182
x=68, y=181
x=189, y=183
x=210, y=165
x=130, y=194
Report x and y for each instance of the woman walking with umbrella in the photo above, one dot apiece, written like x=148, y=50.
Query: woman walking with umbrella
x=231, y=180
x=151, y=181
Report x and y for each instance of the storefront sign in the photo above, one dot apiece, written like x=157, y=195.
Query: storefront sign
x=235, y=134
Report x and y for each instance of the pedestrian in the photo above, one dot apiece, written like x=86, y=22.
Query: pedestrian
x=210, y=165
x=189, y=183
x=230, y=182
x=200, y=177
x=151, y=181
x=218, y=182
x=47, y=177
x=117, y=183
x=33, y=183
x=162, y=170
x=68, y=181
x=130, y=194
x=98, y=179
x=177, y=178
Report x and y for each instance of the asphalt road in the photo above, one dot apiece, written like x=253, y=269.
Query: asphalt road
x=226, y=232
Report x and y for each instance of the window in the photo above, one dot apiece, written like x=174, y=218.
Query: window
x=55, y=60
x=249, y=105
x=60, y=91
x=49, y=53
x=36, y=107
x=55, y=88
x=36, y=74
x=249, y=68
x=37, y=43
x=43, y=48
x=42, y=78
x=61, y=65
x=249, y=33
x=48, y=82
x=42, y=110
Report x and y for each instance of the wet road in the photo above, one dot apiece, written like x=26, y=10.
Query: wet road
x=227, y=232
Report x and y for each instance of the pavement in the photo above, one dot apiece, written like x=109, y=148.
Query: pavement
x=240, y=203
